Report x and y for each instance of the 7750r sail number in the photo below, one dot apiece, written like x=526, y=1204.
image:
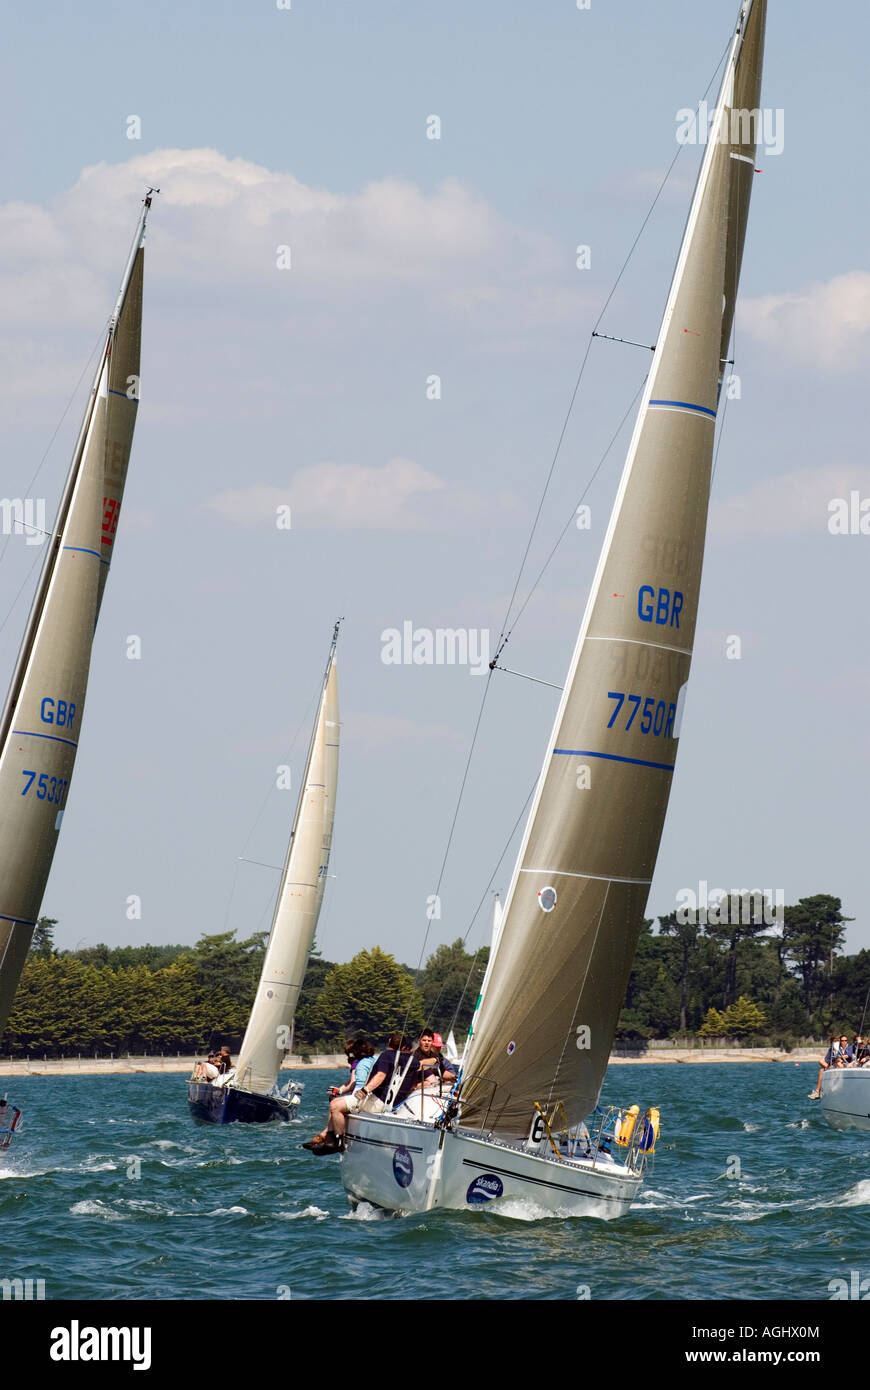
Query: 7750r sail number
x=47, y=788
x=656, y=717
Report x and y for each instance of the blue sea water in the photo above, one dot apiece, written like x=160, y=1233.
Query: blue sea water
x=111, y=1192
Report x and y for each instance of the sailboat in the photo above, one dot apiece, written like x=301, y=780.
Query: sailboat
x=544, y=1023
x=249, y=1091
x=42, y=717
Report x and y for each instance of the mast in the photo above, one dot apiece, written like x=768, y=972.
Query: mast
x=300, y=895
x=575, y=904
x=40, y=723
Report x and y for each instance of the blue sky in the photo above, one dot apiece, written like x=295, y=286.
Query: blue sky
x=413, y=257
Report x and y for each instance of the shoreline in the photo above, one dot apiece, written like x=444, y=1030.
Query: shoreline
x=150, y=1066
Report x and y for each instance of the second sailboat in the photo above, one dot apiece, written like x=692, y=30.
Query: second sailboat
x=249, y=1092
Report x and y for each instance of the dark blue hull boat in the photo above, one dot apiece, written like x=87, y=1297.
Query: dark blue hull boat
x=225, y=1105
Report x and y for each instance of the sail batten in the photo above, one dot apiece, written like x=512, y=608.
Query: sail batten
x=41, y=720
x=552, y=998
x=300, y=895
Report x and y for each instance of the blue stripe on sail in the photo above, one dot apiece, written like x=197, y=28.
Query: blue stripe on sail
x=20, y=921
x=687, y=405
x=613, y=758
x=123, y=394
x=83, y=550
x=53, y=738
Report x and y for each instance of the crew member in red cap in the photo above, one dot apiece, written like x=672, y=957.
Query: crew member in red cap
x=435, y=1069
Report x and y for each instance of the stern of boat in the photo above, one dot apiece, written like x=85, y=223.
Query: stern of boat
x=845, y=1097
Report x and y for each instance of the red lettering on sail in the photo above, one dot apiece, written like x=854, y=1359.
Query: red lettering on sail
x=111, y=510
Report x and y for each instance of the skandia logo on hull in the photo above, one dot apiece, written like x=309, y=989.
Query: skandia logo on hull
x=484, y=1189
x=75, y=1343
x=403, y=1167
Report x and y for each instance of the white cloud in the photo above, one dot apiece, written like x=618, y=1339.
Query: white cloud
x=443, y=257
x=220, y=221
x=825, y=324
x=400, y=495
x=337, y=497
x=794, y=504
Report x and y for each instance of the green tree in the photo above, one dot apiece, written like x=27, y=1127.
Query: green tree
x=228, y=967
x=686, y=934
x=744, y=915
x=450, y=984
x=713, y=1025
x=372, y=994
x=42, y=942
x=306, y=1029
x=742, y=1018
x=119, y=957
x=851, y=988
x=652, y=1001
x=814, y=932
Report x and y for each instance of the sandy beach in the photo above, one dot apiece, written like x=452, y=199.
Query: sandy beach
x=125, y=1066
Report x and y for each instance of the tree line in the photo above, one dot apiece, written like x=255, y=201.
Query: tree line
x=152, y=999
x=741, y=979
x=745, y=977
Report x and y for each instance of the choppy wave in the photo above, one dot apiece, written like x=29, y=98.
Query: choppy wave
x=236, y=1211
x=95, y=1207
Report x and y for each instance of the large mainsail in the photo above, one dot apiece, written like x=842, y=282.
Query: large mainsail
x=576, y=901
x=41, y=720
x=299, y=898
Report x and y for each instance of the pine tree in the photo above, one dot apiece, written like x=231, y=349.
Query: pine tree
x=372, y=994
x=713, y=1025
x=743, y=1018
x=42, y=943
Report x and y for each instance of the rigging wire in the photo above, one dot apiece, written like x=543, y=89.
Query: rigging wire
x=483, y=898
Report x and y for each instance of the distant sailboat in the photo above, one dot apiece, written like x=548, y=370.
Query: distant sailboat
x=544, y=1025
x=41, y=721
x=249, y=1092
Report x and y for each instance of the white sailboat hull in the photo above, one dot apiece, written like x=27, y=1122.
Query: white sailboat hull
x=846, y=1098
x=408, y=1166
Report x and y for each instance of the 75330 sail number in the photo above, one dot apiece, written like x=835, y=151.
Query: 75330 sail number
x=49, y=789
x=656, y=717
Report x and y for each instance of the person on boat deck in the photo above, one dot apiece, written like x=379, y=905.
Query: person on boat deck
x=208, y=1070
x=449, y=1069
x=361, y=1058
x=838, y=1052
x=225, y=1061
x=396, y=1059
x=435, y=1070
x=860, y=1051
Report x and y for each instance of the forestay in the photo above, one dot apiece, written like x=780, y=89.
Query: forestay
x=42, y=717
x=576, y=901
x=299, y=899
